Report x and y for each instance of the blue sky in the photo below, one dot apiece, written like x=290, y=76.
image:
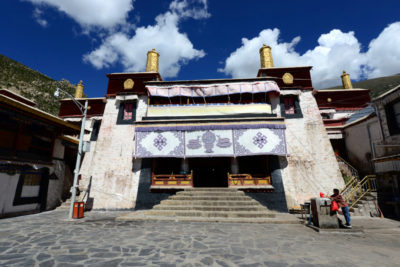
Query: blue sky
x=200, y=39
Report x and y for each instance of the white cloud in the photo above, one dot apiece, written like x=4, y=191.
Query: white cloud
x=196, y=9
x=384, y=52
x=336, y=51
x=174, y=47
x=37, y=15
x=91, y=13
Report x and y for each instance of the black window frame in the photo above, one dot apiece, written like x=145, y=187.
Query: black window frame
x=394, y=128
x=120, y=119
x=297, y=109
x=43, y=188
x=95, y=130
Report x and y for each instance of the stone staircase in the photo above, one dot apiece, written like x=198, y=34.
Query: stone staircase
x=211, y=205
x=366, y=206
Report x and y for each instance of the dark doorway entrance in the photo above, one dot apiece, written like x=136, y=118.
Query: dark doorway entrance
x=210, y=172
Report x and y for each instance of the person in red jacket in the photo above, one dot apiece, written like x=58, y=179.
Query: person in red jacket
x=343, y=205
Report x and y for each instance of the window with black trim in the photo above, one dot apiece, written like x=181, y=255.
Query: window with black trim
x=290, y=106
x=32, y=187
x=127, y=113
x=95, y=131
x=393, y=117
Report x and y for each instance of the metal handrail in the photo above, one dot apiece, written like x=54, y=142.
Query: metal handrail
x=354, y=176
x=357, y=192
x=353, y=170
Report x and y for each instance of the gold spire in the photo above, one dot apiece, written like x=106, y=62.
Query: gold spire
x=152, y=61
x=346, y=80
x=266, y=57
x=79, y=90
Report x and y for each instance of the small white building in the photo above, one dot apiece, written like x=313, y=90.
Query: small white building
x=37, y=155
x=372, y=138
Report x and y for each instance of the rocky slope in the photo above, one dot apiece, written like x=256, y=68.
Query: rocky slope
x=32, y=84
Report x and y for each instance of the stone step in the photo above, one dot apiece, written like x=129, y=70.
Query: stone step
x=219, y=214
x=208, y=193
x=220, y=189
x=279, y=219
x=171, y=202
x=211, y=208
x=211, y=198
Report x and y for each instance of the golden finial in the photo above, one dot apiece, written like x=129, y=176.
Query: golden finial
x=346, y=80
x=266, y=57
x=79, y=90
x=152, y=61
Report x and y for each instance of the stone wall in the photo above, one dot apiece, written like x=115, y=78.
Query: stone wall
x=56, y=186
x=388, y=138
x=110, y=175
x=311, y=166
x=358, y=144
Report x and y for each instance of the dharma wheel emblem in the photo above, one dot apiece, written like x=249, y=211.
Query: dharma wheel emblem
x=287, y=78
x=128, y=84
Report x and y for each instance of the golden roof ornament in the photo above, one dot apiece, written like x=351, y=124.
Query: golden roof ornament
x=79, y=90
x=128, y=84
x=266, y=57
x=152, y=61
x=346, y=82
x=287, y=78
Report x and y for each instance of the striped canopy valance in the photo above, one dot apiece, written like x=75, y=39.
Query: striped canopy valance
x=206, y=90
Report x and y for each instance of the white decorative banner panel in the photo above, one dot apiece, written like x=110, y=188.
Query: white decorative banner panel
x=210, y=143
x=206, y=143
x=205, y=90
x=207, y=109
x=160, y=144
x=259, y=141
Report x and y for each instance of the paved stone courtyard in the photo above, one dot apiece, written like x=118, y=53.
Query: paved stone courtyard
x=48, y=239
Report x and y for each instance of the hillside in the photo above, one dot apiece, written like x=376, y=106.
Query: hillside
x=32, y=84
x=377, y=85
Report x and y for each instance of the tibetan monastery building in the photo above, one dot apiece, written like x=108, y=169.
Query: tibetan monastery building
x=150, y=137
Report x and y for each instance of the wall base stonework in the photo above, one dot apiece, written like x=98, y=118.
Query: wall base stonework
x=146, y=199
x=276, y=200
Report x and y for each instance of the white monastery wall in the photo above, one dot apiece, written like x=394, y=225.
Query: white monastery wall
x=342, y=114
x=358, y=143
x=311, y=166
x=8, y=186
x=55, y=188
x=110, y=171
x=86, y=164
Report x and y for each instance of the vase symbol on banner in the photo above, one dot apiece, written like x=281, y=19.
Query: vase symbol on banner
x=160, y=142
x=259, y=140
x=208, y=139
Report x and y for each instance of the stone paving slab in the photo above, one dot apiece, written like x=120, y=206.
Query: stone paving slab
x=48, y=239
x=277, y=218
